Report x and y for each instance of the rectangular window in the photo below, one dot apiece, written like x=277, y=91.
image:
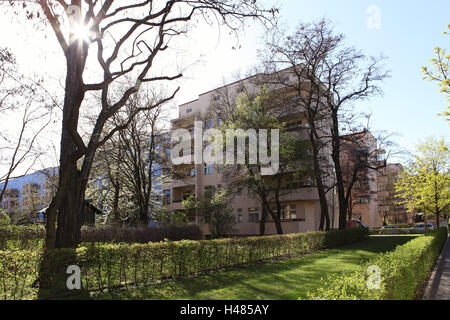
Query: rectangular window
x=192, y=172
x=208, y=169
x=166, y=197
x=189, y=110
x=239, y=215
x=253, y=214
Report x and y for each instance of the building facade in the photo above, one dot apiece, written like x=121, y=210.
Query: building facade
x=391, y=212
x=300, y=204
x=10, y=202
x=359, y=162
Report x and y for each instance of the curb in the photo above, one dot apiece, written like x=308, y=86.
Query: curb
x=435, y=277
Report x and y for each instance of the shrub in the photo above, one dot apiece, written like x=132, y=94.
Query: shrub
x=141, y=234
x=21, y=237
x=5, y=220
x=403, y=272
x=111, y=265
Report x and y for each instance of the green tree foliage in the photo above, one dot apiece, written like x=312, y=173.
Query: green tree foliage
x=5, y=220
x=267, y=111
x=425, y=182
x=439, y=73
x=215, y=210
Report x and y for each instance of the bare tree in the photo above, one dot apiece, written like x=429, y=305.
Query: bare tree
x=26, y=110
x=330, y=79
x=129, y=36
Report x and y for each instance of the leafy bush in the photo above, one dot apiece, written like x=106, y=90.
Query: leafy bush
x=21, y=237
x=111, y=265
x=403, y=272
x=336, y=238
x=5, y=220
x=141, y=234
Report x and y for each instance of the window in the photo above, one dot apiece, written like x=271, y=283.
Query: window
x=208, y=169
x=189, y=110
x=239, y=215
x=208, y=124
x=253, y=214
x=216, y=98
x=166, y=197
x=239, y=191
x=288, y=212
x=192, y=172
x=219, y=168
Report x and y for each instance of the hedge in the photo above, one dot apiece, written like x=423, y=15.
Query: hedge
x=23, y=237
x=403, y=273
x=107, y=266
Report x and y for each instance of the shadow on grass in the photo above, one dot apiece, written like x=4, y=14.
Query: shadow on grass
x=286, y=279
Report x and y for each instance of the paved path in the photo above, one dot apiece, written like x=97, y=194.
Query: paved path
x=439, y=284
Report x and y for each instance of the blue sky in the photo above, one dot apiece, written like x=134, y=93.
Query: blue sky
x=409, y=31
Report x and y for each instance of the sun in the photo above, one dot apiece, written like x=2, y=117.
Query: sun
x=82, y=32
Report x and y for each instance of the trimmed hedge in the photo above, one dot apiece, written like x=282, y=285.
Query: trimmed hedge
x=23, y=237
x=403, y=273
x=141, y=234
x=107, y=266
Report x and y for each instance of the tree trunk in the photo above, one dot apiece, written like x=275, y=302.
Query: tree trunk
x=278, y=225
x=71, y=191
x=336, y=144
x=324, y=215
x=115, y=208
x=262, y=223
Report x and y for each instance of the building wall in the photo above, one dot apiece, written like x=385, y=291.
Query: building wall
x=305, y=199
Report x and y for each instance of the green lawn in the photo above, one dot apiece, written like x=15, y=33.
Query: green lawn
x=287, y=279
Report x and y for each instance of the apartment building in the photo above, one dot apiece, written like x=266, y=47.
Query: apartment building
x=11, y=201
x=389, y=209
x=359, y=159
x=300, y=206
x=31, y=198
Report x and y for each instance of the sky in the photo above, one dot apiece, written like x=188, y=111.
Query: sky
x=404, y=31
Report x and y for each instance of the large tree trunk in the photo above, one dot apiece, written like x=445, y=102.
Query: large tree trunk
x=69, y=200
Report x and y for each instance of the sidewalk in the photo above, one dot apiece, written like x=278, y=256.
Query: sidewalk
x=439, y=285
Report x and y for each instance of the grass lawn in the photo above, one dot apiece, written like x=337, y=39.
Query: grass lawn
x=285, y=280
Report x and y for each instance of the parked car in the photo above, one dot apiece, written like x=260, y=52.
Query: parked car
x=355, y=224
x=388, y=227
x=420, y=227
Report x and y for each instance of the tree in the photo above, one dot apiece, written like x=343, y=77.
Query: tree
x=329, y=78
x=130, y=37
x=439, y=73
x=129, y=163
x=425, y=183
x=215, y=210
x=265, y=109
x=23, y=96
